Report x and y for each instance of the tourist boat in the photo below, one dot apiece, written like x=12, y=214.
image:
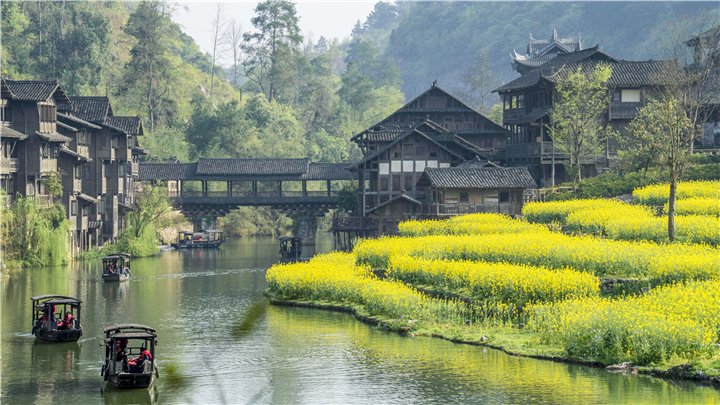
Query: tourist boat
x=47, y=326
x=203, y=239
x=290, y=248
x=116, y=267
x=122, y=342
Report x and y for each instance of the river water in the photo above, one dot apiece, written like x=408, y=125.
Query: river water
x=221, y=342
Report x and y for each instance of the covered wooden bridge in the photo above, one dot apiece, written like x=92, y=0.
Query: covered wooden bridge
x=216, y=186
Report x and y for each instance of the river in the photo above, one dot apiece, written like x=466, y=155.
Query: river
x=221, y=342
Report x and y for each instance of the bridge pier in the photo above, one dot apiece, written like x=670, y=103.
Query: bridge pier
x=305, y=228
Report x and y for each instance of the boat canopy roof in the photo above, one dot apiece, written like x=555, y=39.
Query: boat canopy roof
x=287, y=238
x=46, y=296
x=125, y=256
x=121, y=326
x=130, y=335
x=62, y=301
x=211, y=231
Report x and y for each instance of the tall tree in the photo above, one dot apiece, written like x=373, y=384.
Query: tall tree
x=216, y=32
x=150, y=67
x=579, y=102
x=233, y=38
x=269, y=51
x=666, y=124
x=478, y=83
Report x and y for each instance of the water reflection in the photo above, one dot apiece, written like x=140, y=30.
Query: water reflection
x=220, y=341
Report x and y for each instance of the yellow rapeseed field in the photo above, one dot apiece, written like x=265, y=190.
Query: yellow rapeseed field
x=673, y=320
x=507, y=283
x=472, y=224
x=658, y=194
x=557, y=211
x=661, y=263
x=691, y=228
x=697, y=206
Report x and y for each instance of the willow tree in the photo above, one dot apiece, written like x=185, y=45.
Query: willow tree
x=580, y=100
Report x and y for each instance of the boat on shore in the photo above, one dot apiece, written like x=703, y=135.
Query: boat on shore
x=116, y=267
x=121, y=342
x=49, y=327
x=197, y=240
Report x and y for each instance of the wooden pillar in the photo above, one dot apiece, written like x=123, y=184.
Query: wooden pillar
x=229, y=188
x=254, y=188
x=328, y=188
x=361, y=194
x=180, y=184
x=304, y=188
x=279, y=188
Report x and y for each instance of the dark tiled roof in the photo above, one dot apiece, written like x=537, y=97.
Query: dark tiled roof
x=488, y=177
x=77, y=120
x=252, y=166
x=93, y=109
x=36, y=90
x=533, y=115
x=88, y=198
x=53, y=136
x=476, y=163
x=166, y=171
x=390, y=201
x=66, y=126
x=129, y=125
x=398, y=139
x=625, y=73
x=7, y=132
x=75, y=154
x=329, y=171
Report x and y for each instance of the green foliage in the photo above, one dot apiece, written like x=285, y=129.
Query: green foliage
x=348, y=197
x=579, y=104
x=53, y=182
x=35, y=236
x=247, y=221
x=143, y=245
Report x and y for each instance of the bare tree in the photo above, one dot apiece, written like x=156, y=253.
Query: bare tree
x=478, y=83
x=218, y=24
x=694, y=42
x=233, y=38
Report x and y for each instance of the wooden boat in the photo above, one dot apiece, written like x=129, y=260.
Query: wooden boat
x=121, y=342
x=197, y=240
x=290, y=248
x=116, y=267
x=47, y=326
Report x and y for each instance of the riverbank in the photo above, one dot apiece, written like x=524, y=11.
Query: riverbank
x=515, y=341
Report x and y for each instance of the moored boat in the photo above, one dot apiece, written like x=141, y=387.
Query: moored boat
x=197, y=240
x=63, y=328
x=290, y=248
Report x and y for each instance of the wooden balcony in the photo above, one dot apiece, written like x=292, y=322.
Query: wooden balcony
x=624, y=110
x=353, y=224
x=8, y=166
x=442, y=210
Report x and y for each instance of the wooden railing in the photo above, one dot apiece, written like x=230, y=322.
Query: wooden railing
x=250, y=194
x=624, y=110
x=353, y=223
x=8, y=166
x=463, y=209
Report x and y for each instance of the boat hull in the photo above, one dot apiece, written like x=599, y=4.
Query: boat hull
x=115, y=277
x=208, y=245
x=131, y=380
x=59, y=335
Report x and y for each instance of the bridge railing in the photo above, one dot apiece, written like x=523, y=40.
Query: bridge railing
x=250, y=194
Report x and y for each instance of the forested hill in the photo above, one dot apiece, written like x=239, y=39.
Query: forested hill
x=439, y=40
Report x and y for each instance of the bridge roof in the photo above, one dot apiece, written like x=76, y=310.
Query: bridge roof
x=245, y=170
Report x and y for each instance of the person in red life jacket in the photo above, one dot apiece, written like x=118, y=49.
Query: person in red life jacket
x=137, y=364
x=67, y=322
x=49, y=316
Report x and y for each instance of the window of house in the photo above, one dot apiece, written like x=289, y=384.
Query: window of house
x=108, y=169
x=464, y=197
x=631, y=96
x=521, y=101
x=101, y=206
x=408, y=182
x=383, y=184
x=507, y=102
x=396, y=182
x=85, y=210
x=86, y=168
x=504, y=196
x=616, y=96
x=114, y=142
x=121, y=169
x=78, y=172
x=513, y=102
x=433, y=154
x=73, y=207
